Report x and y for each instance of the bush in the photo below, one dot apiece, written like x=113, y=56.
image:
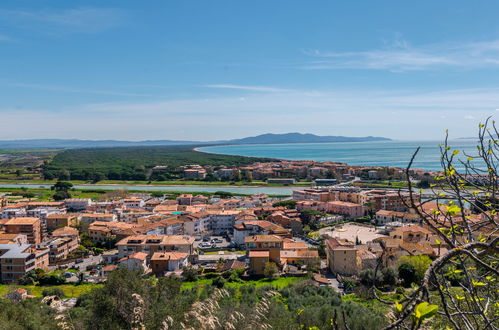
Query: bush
x=218, y=282
x=407, y=273
x=270, y=270
x=189, y=274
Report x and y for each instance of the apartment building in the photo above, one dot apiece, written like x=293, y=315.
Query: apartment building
x=55, y=221
x=31, y=227
x=18, y=259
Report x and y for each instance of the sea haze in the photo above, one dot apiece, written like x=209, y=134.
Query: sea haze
x=374, y=153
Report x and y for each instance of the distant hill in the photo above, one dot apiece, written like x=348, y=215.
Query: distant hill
x=302, y=138
x=260, y=139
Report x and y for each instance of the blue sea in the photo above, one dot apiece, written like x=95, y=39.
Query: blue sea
x=379, y=153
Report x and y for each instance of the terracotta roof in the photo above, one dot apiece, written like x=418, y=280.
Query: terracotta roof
x=22, y=221
x=262, y=238
x=169, y=256
x=259, y=254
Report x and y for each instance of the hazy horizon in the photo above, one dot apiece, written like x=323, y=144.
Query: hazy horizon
x=205, y=71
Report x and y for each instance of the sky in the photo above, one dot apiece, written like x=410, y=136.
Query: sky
x=210, y=70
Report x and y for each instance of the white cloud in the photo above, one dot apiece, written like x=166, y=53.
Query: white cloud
x=351, y=113
x=403, y=57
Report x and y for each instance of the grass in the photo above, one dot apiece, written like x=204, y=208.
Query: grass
x=279, y=283
x=70, y=290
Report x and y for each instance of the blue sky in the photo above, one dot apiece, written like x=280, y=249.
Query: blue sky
x=207, y=70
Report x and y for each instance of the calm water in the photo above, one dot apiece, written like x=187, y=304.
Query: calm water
x=232, y=189
x=384, y=153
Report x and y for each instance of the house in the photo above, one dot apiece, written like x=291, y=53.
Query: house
x=258, y=227
x=384, y=217
x=155, y=243
x=133, y=203
x=108, y=269
x=135, y=261
x=77, y=204
x=88, y=218
x=342, y=257
x=258, y=260
x=163, y=262
x=271, y=243
x=184, y=199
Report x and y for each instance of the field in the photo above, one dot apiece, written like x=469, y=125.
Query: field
x=133, y=163
x=70, y=291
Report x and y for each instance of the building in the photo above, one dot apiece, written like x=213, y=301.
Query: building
x=184, y=199
x=258, y=227
x=133, y=203
x=163, y=262
x=195, y=173
x=271, y=243
x=88, y=218
x=60, y=247
x=342, y=257
x=347, y=209
x=18, y=259
x=13, y=239
x=77, y=204
x=31, y=227
x=135, y=261
x=155, y=243
x=258, y=260
x=384, y=217
x=55, y=221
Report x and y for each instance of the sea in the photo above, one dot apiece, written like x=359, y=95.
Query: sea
x=373, y=153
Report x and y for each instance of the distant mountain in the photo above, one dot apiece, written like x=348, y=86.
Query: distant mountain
x=302, y=138
x=260, y=139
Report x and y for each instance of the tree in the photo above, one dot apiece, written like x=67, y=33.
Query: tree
x=466, y=180
x=270, y=270
x=61, y=190
x=407, y=274
x=389, y=276
x=189, y=274
x=420, y=264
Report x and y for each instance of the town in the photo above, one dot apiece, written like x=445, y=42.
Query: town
x=331, y=233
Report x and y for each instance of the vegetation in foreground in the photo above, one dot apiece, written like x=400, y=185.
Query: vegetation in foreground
x=128, y=301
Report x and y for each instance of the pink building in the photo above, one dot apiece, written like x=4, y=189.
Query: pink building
x=347, y=209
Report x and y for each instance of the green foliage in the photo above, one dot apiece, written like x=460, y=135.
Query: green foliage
x=190, y=274
x=424, y=311
x=26, y=314
x=132, y=163
x=218, y=282
x=420, y=264
x=270, y=270
x=289, y=204
x=407, y=273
